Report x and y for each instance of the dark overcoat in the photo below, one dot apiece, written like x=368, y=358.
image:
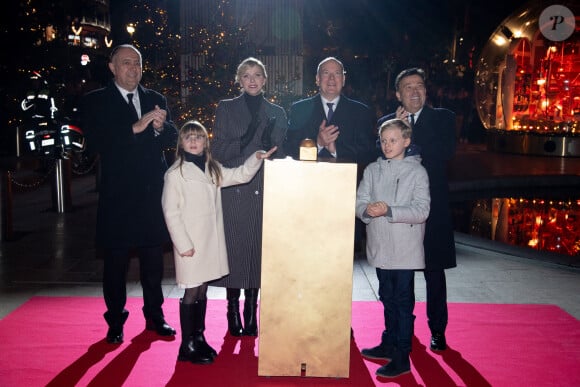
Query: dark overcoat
x=132, y=167
x=242, y=204
x=434, y=133
x=356, y=141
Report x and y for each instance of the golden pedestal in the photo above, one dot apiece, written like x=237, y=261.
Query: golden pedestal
x=307, y=262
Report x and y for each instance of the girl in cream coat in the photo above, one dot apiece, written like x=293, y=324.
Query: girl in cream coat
x=193, y=213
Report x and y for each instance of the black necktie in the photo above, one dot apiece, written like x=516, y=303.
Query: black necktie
x=132, y=106
x=412, y=120
x=330, y=111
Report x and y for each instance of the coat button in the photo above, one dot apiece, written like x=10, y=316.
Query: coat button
x=257, y=192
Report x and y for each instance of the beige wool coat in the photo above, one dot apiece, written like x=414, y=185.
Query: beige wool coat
x=192, y=206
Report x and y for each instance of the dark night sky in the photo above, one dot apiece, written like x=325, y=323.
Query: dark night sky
x=360, y=27
x=379, y=28
x=424, y=23
x=379, y=24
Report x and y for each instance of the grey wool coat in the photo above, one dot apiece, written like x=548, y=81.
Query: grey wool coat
x=193, y=212
x=395, y=242
x=242, y=204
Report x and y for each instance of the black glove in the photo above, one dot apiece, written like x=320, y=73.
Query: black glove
x=267, y=134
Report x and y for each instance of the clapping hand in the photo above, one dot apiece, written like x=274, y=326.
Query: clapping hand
x=327, y=136
x=159, y=117
x=156, y=117
x=402, y=114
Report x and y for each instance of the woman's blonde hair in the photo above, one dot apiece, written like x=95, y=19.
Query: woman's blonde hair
x=196, y=127
x=250, y=62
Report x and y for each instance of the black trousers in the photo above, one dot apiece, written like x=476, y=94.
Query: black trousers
x=436, y=289
x=115, y=271
x=397, y=293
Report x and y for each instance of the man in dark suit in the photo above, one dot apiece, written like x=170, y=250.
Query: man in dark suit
x=342, y=128
x=130, y=126
x=434, y=138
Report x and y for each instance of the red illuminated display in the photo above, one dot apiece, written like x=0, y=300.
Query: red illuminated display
x=527, y=80
x=546, y=225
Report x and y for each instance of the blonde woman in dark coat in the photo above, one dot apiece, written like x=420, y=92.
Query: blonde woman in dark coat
x=244, y=125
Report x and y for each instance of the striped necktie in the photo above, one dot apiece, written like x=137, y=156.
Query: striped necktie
x=330, y=111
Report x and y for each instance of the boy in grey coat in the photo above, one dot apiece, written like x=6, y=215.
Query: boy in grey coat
x=393, y=201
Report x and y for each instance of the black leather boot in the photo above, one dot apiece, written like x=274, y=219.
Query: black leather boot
x=250, y=309
x=188, y=351
x=234, y=319
x=400, y=364
x=200, y=307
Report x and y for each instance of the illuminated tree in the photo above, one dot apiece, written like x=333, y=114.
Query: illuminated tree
x=191, y=92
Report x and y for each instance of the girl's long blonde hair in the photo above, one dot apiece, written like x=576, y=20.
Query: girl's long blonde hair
x=196, y=127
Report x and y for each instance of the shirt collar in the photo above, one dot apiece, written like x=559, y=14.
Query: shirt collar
x=334, y=101
x=125, y=92
x=417, y=114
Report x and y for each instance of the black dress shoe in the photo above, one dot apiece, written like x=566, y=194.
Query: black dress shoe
x=159, y=326
x=438, y=342
x=115, y=335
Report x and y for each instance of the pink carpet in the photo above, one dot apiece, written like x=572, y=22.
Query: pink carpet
x=58, y=341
